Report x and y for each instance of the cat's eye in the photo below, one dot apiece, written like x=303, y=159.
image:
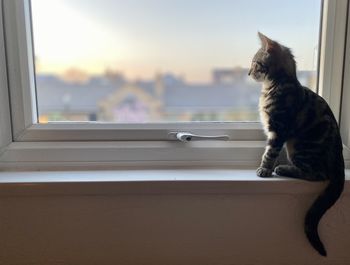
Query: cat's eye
x=260, y=64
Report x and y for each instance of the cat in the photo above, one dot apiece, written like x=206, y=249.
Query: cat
x=297, y=118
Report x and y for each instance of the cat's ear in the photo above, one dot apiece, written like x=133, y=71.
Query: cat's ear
x=267, y=44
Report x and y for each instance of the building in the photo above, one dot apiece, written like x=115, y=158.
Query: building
x=231, y=96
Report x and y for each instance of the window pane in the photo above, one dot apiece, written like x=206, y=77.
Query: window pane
x=136, y=61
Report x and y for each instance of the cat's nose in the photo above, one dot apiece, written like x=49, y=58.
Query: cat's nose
x=250, y=72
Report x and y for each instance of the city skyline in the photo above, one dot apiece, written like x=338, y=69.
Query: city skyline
x=230, y=96
x=188, y=38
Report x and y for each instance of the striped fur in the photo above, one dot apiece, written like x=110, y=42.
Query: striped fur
x=297, y=118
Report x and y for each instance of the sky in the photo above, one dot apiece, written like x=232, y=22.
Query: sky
x=189, y=38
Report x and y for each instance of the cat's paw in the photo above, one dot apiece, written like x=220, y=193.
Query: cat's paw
x=287, y=171
x=264, y=172
x=282, y=170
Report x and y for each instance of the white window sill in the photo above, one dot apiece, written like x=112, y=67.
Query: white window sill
x=39, y=156
x=181, y=181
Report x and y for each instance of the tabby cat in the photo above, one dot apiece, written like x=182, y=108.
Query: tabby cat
x=297, y=118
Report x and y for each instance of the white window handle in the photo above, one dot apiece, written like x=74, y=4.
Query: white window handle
x=188, y=137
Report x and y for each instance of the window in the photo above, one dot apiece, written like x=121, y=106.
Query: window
x=131, y=114
x=161, y=61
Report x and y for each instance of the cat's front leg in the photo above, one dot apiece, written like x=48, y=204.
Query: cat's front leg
x=272, y=151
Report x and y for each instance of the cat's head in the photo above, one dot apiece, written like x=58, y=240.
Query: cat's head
x=271, y=60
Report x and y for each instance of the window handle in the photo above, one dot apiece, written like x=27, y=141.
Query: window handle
x=188, y=137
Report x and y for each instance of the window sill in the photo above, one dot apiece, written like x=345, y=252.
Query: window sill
x=129, y=154
x=143, y=182
x=41, y=156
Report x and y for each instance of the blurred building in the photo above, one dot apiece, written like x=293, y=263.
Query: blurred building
x=230, y=96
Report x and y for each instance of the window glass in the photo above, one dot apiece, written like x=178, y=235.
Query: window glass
x=146, y=61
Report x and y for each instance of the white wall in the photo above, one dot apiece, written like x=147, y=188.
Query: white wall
x=171, y=226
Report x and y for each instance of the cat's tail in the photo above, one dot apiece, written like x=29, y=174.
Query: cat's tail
x=329, y=196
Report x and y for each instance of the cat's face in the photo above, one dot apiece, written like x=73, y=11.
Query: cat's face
x=260, y=66
x=270, y=59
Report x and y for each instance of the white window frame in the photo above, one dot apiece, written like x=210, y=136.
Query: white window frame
x=28, y=145
x=345, y=96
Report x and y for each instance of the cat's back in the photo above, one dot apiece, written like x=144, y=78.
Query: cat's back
x=315, y=120
x=301, y=111
x=318, y=106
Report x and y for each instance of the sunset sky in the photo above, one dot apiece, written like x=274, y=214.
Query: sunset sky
x=185, y=37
